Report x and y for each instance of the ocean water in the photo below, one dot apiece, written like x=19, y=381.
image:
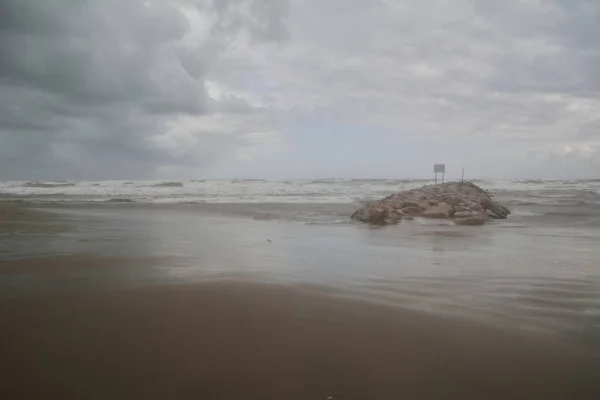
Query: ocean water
x=573, y=203
x=210, y=191
x=584, y=194
x=537, y=271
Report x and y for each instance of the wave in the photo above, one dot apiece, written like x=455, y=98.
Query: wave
x=331, y=191
x=48, y=185
x=247, y=180
x=390, y=181
x=573, y=212
x=587, y=194
x=531, y=181
x=169, y=184
x=554, y=181
x=583, y=181
x=120, y=200
x=373, y=180
x=524, y=203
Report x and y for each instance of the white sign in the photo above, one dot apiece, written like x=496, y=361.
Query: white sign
x=439, y=168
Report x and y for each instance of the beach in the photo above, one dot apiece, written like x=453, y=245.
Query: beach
x=294, y=301
x=252, y=341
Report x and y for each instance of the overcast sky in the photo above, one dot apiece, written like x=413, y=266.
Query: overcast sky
x=190, y=89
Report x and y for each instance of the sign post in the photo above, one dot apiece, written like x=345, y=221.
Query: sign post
x=439, y=169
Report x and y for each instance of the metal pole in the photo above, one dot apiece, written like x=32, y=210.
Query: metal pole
x=462, y=178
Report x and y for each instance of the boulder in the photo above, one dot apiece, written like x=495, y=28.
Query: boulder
x=392, y=218
x=463, y=214
x=470, y=221
x=492, y=214
x=376, y=216
x=476, y=207
x=441, y=210
x=412, y=210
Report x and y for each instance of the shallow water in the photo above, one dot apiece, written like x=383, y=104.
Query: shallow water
x=543, y=278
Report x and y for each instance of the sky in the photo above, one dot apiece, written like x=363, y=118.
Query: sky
x=283, y=89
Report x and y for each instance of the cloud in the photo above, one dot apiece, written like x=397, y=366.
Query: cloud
x=91, y=89
x=505, y=78
x=113, y=89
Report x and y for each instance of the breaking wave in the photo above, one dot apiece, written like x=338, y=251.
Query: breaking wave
x=117, y=200
x=169, y=184
x=49, y=185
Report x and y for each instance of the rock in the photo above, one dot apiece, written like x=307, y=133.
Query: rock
x=376, y=216
x=466, y=203
x=442, y=210
x=392, y=218
x=470, y=221
x=463, y=214
x=452, y=200
x=492, y=214
x=395, y=202
x=412, y=210
x=372, y=215
x=476, y=207
x=495, y=210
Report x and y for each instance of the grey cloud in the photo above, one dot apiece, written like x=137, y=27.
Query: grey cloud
x=449, y=66
x=115, y=52
x=87, y=85
x=262, y=19
x=109, y=84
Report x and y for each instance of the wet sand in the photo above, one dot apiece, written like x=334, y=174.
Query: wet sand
x=11, y=215
x=18, y=217
x=235, y=340
x=225, y=338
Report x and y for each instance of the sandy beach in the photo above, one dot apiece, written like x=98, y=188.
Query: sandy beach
x=228, y=340
x=106, y=308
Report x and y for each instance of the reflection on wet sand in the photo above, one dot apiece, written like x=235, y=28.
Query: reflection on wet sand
x=144, y=302
x=226, y=340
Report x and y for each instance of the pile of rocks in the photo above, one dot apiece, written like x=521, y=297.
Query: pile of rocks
x=463, y=202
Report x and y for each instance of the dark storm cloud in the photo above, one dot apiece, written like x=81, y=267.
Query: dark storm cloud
x=93, y=81
x=97, y=52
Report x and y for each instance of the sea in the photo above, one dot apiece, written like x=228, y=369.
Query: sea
x=538, y=271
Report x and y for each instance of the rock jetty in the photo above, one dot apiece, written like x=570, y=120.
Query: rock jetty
x=463, y=202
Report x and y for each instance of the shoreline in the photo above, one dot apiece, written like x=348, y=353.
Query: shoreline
x=20, y=216
x=231, y=339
